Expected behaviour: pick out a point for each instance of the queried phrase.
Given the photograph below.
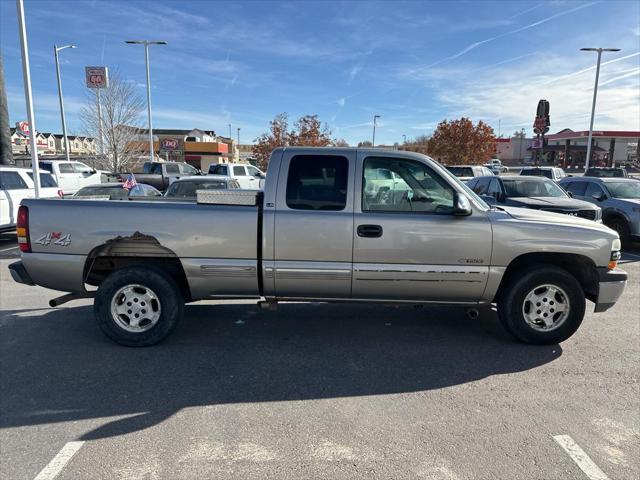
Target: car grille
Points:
(588, 214)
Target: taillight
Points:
(22, 229)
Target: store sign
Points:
(169, 144)
(97, 77)
(536, 143)
(23, 128)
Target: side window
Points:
(253, 171)
(239, 172)
(12, 181)
(45, 166)
(414, 187)
(187, 169)
(81, 168)
(317, 182)
(482, 186)
(593, 189)
(65, 167)
(494, 188)
(172, 169)
(576, 188)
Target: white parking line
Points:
(631, 254)
(580, 457)
(7, 249)
(56, 465)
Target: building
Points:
(199, 148)
(609, 147)
(52, 144)
(568, 149)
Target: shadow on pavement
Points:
(59, 367)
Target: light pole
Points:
(238, 138)
(57, 49)
(404, 139)
(373, 140)
(146, 44)
(595, 93)
(26, 73)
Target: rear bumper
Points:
(611, 285)
(19, 274)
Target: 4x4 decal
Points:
(56, 237)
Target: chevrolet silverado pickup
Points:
(320, 230)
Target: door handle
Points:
(372, 231)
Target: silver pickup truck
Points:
(332, 224)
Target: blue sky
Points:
(413, 63)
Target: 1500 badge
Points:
(57, 238)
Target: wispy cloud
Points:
(584, 70)
(475, 45)
(530, 9)
(630, 73)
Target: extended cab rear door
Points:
(407, 244)
(313, 225)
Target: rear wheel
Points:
(544, 305)
(622, 227)
(138, 306)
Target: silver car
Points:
(619, 199)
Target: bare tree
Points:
(121, 110)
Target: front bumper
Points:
(610, 287)
(20, 274)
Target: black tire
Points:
(621, 226)
(512, 301)
(169, 306)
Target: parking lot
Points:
(316, 390)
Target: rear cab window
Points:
(317, 182)
(46, 180)
(218, 170)
(239, 172)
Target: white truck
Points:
(71, 176)
(247, 176)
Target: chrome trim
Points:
(229, 271)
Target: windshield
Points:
(187, 189)
(461, 171)
(624, 189)
(532, 188)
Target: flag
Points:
(130, 182)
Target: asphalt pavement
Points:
(315, 390)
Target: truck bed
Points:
(217, 245)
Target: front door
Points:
(407, 244)
(313, 237)
(67, 178)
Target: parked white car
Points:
(247, 176)
(495, 165)
(71, 176)
(16, 184)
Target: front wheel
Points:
(622, 227)
(544, 305)
(138, 306)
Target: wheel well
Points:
(581, 267)
(614, 216)
(138, 250)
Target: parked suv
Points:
(16, 184)
(619, 199)
(538, 193)
(554, 173)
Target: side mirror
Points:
(570, 194)
(461, 205)
(500, 197)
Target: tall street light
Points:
(146, 44)
(57, 49)
(373, 140)
(595, 93)
(28, 96)
(404, 138)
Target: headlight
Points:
(616, 245)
